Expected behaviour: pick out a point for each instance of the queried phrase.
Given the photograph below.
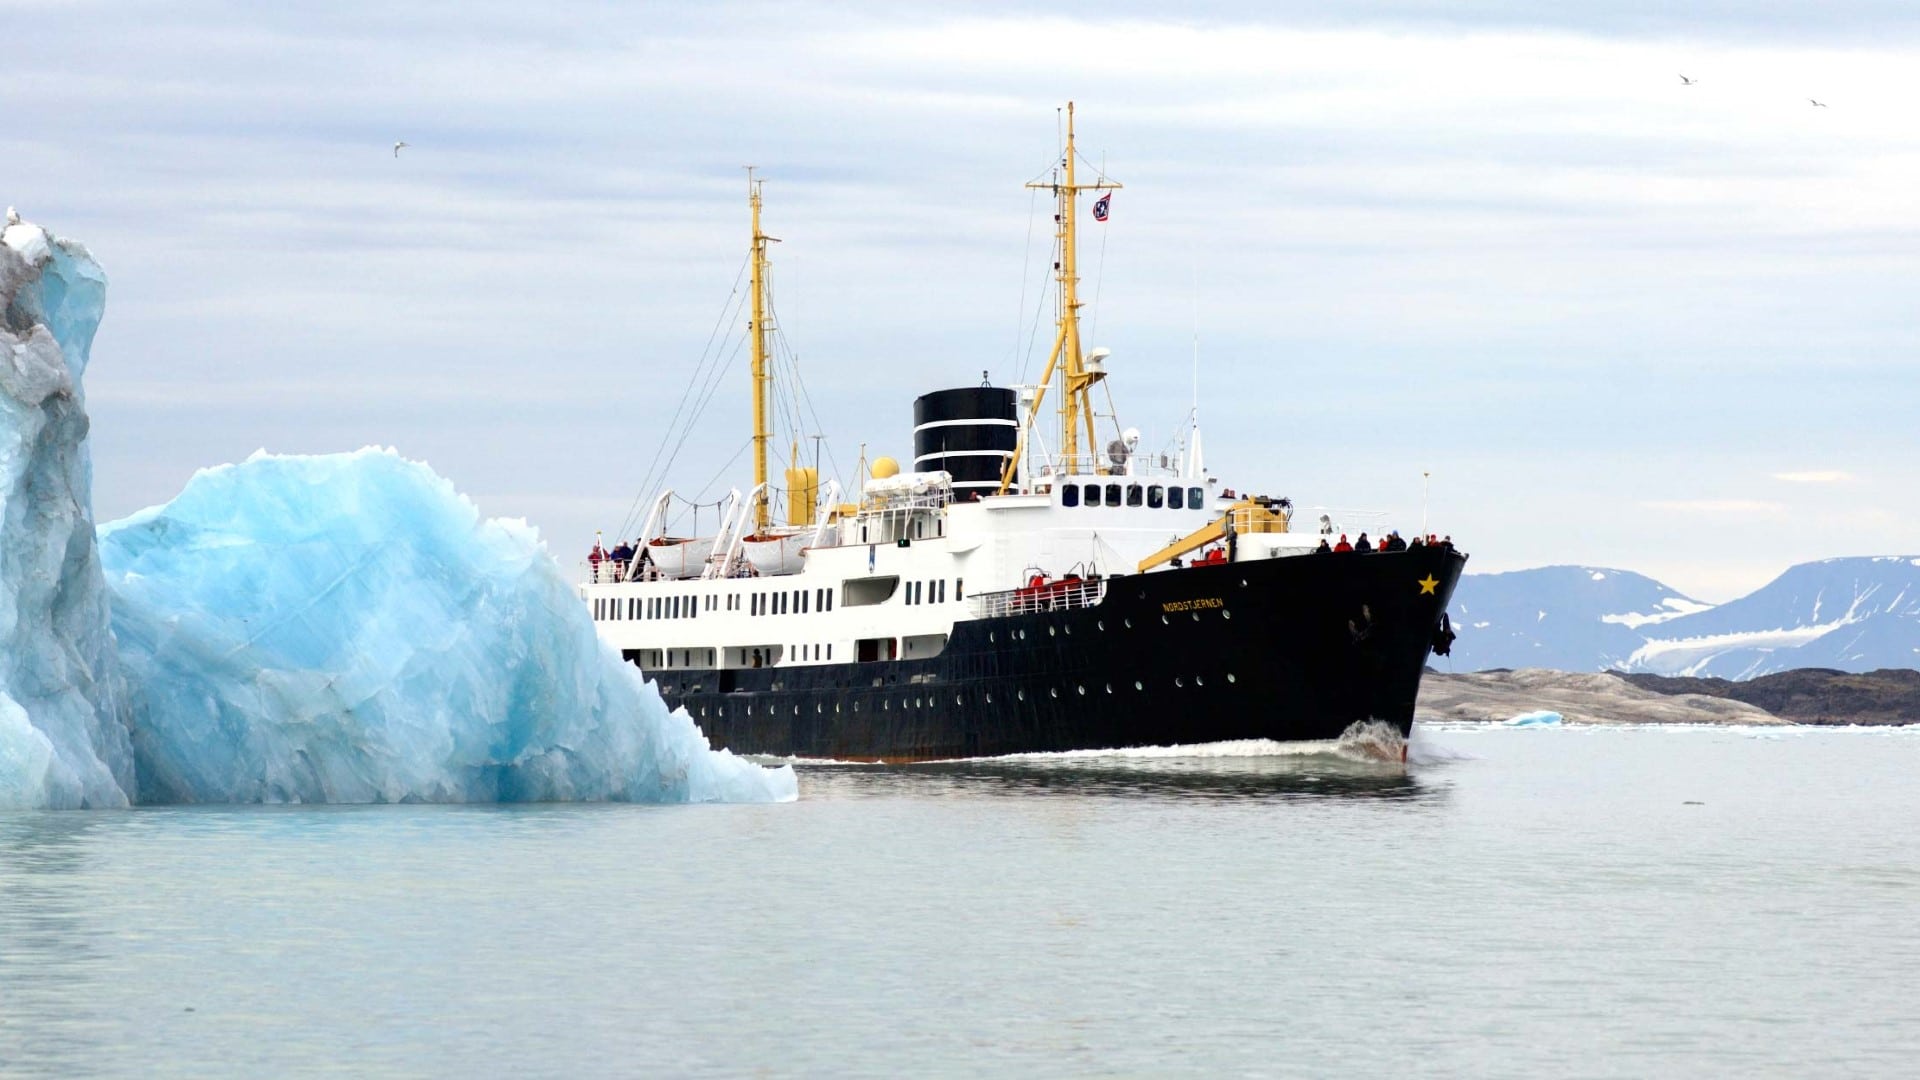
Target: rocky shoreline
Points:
(1579, 698)
(1805, 696)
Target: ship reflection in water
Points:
(1187, 772)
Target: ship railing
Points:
(611, 572)
(1065, 595)
(1338, 520)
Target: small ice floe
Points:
(1542, 718)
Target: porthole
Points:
(749, 710)
(1069, 631)
(989, 699)
(1109, 688)
(1196, 616)
(1230, 677)
(836, 708)
(956, 699)
(1243, 583)
(1225, 614)
(1053, 691)
(796, 710)
(1129, 623)
(703, 710)
(1198, 681)
(1082, 689)
(1100, 624)
(819, 709)
(1143, 594)
(1052, 632)
(1177, 682)
(886, 706)
(1164, 621)
(1020, 695)
(1138, 685)
(990, 637)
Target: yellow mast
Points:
(762, 378)
(1076, 399)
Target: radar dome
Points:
(884, 467)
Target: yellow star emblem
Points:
(1427, 585)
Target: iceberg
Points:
(63, 739)
(347, 628)
(1542, 718)
(338, 628)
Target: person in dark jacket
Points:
(1362, 544)
(1323, 549)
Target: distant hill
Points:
(1570, 618)
(1811, 696)
(1849, 615)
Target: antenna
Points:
(1426, 482)
(1195, 259)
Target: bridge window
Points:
(1113, 494)
(1196, 499)
(1176, 498)
(1070, 495)
(1156, 497)
(1133, 495)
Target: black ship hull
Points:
(1288, 649)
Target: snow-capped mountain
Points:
(1856, 614)
(1571, 618)
(1853, 614)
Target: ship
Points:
(1019, 587)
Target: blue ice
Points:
(62, 739)
(1542, 718)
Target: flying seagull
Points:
(1818, 104)
(1687, 82)
(397, 147)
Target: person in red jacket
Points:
(1343, 545)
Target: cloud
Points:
(1817, 476)
(1718, 507)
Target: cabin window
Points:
(861, 592)
(1196, 499)
(958, 592)
(1176, 498)
(941, 588)
(1070, 495)
(1156, 497)
(1113, 494)
(1134, 495)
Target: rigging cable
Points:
(647, 481)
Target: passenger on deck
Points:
(1362, 544)
(1323, 549)
(756, 658)
(1416, 543)
(1394, 543)
(596, 556)
(1343, 545)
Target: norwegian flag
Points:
(1100, 206)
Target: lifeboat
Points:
(679, 557)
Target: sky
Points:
(1620, 320)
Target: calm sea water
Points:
(1514, 903)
